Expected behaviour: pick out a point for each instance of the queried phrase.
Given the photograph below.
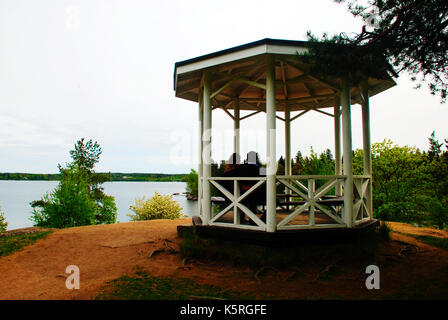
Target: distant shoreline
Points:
(115, 177)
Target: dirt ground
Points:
(106, 252)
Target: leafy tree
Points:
(69, 205)
(297, 166)
(412, 35)
(86, 155)
(435, 148)
(192, 182)
(79, 198)
(438, 213)
(400, 182)
(281, 160)
(106, 210)
(407, 186)
(298, 156)
(329, 155)
(281, 164)
(438, 171)
(335, 57)
(314, 164)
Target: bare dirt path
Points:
(102, 253)
(106, 252)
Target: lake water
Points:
(15, 197)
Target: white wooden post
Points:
(288, 169)
(206, 153)
(348, 158)
(270, 145)
(236, 127)
(312, 209)
(367, 151)
(236, 149)
(200, 147)
(236, 194)
(337, 143)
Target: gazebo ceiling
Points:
(239, 73)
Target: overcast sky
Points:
(104, 70)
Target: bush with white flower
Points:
(157, 207)
(3, 223)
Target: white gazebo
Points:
(269, 76)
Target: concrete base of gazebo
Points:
(281, 238)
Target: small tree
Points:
(69, 205)
(435, 147)
(157, 207)
(281, 165)
(86, 155)
(192, 182)
(3, 223)
(79, 198)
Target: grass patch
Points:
(11, 244)
(328, 272)
(423, 290)
(144, 286)
(433, 241)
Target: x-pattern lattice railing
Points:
(311, 198)
(361, 205)
(236, 200)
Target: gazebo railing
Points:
(312, 189)
(362, 206)
(235, 202)
(319, 197)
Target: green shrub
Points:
(157, 207)
(3, 223)
(433, 241)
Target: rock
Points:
(191, 197)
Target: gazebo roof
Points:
(239, 73)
